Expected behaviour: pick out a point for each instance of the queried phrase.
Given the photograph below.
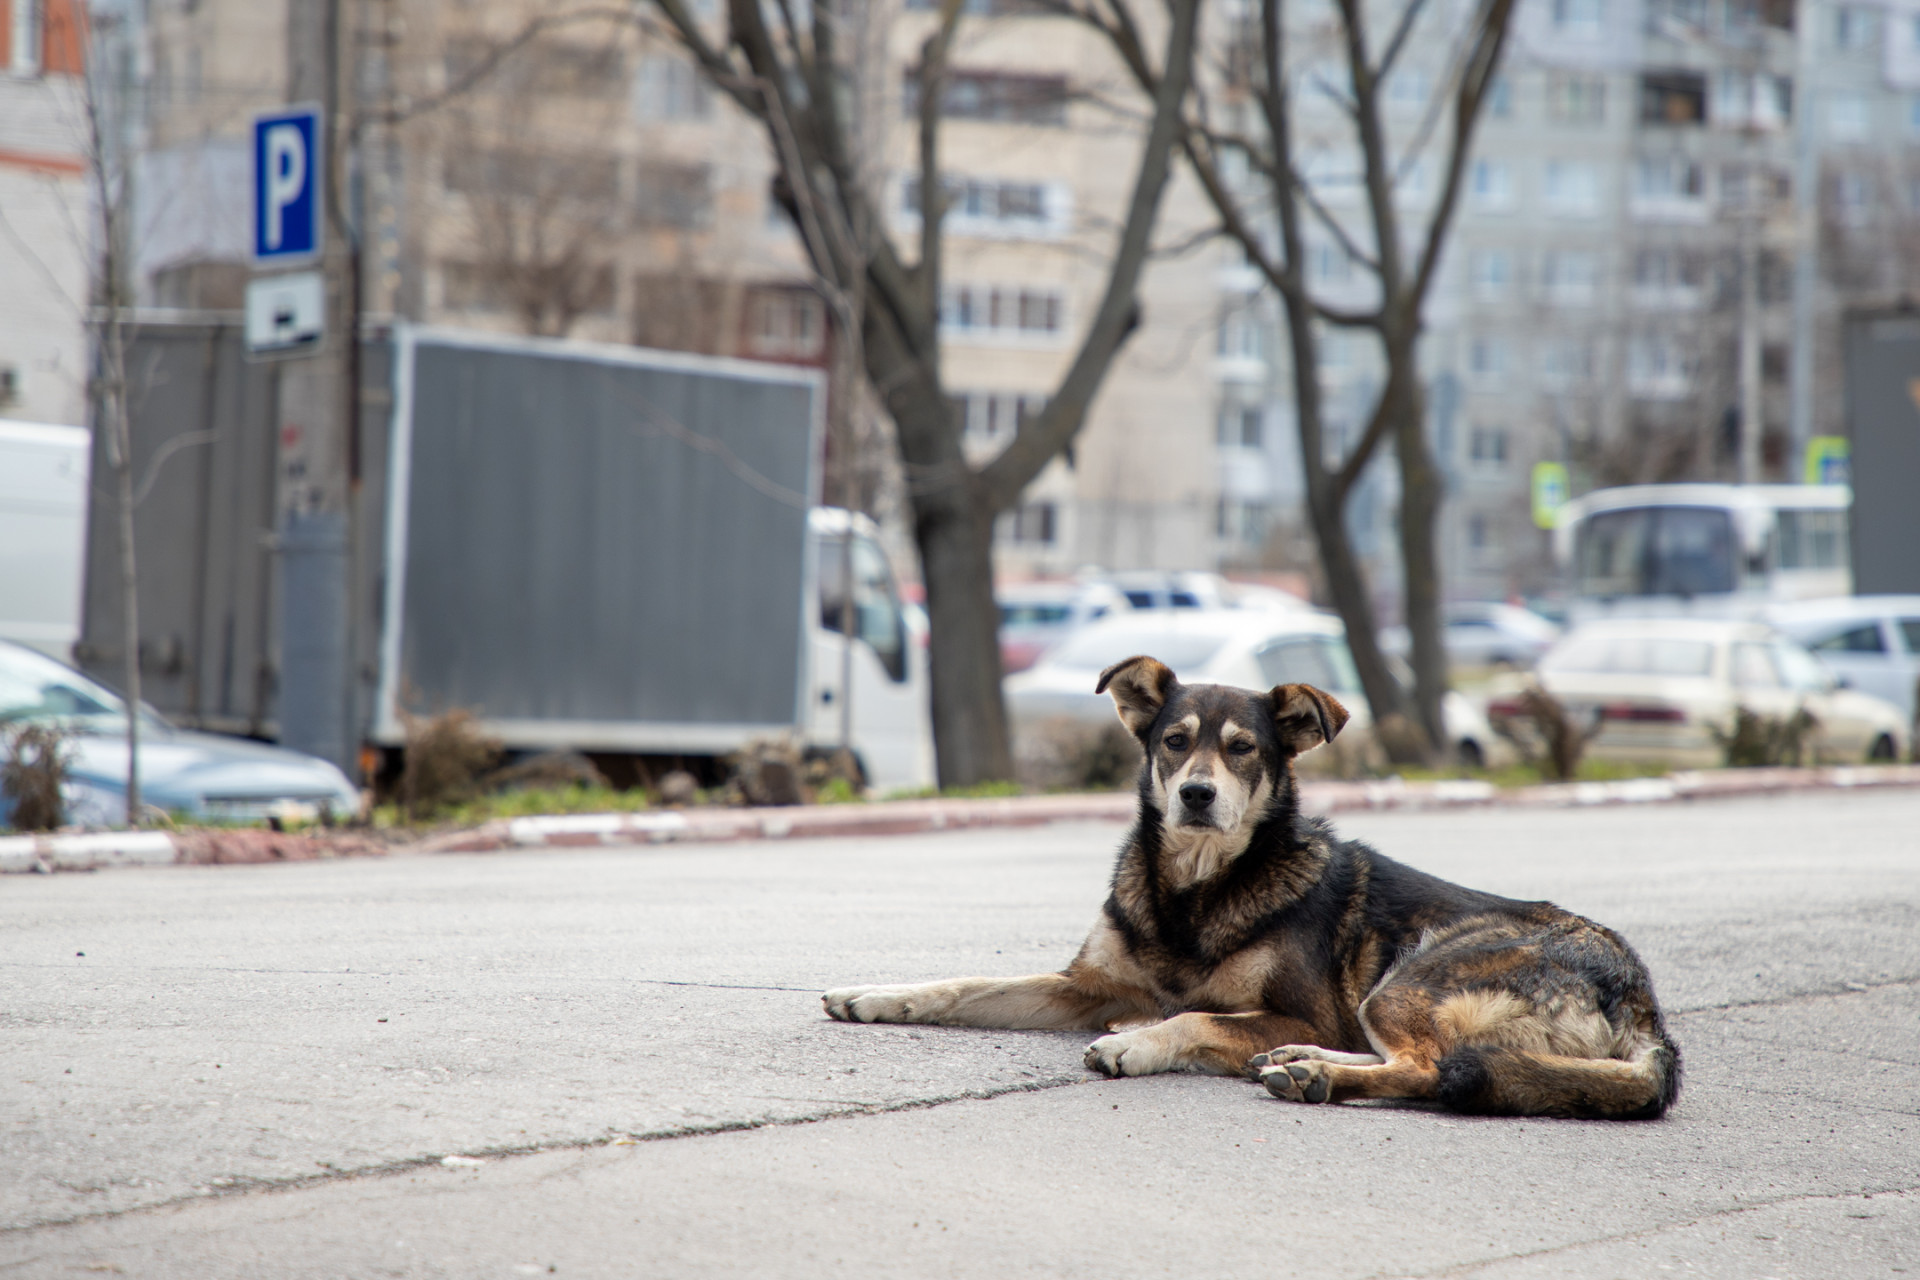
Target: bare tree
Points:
(107, 173)
(1278, 197)
(792, 69)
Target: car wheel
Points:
(1883, 748)
(1470, 755)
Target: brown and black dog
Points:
(1242, 937)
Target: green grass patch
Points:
(978, 791)
(1525, 775)
(525, 804)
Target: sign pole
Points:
(297, 195)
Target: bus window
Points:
(1692, 552)
(1811, 539)
(1613, 547)
(1657, 551)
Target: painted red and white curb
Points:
(88, 851)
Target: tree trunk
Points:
(1420, 495)
(969, 716)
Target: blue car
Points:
(196, 775)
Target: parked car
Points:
(1035, 616)
(1484, 634)
(1871, 642)
(1253, 649)
(200, 775)
(1662, 689)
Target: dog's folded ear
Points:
(1306, 716)
(1140, 687)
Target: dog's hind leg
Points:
(1309, 1052)
(1399, 1021)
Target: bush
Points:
(1547, 737)
(34, 774)
(1065, 754)
(446, 758)
(1757, 741)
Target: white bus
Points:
(1717, 550)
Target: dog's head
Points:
(1216, 753)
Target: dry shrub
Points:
(773, 771)
(547, 771)
(1065, 754)
(447, 756)
(1546, 735)
(33, 775)
(1756, 741)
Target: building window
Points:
(1751, 100)
(993, 95)
(1328, 263)
(1572, 187)
(995, 417)
(670, 88)
(1033, 523)
(1499, 103)
(1673, 97)
(1237, 520)
(985, 206)
(1410, 87)
(1658, 368)
(1847, 115)
(984, 8)
(1241, 425)
(1855, 27)
(1491, 271)
(785, 324)
(1491, 184)
(1476, 533)
(1241, 336)
(1667, 178)
(1487, 446)
(673, 195)
(1576, 99)
(1566, 361)
(1487, 358)
(1002, 310)
(1582, 19)
(1852, 197)
(1668, 275)
(1570, 277)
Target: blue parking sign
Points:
(289, 171)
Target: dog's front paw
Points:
(867, 1004)
(1130, 1053)
(1298, 1081)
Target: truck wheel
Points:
(1882, 749)
(1470, 755)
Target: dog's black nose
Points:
(1196, 795)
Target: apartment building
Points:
(1636, 159)
(46, 232)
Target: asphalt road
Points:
(257, 1071)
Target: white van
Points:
(43, 534)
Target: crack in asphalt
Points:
(1464, 1268)
(1795, 997)
(411, 1164)
(840, 1111)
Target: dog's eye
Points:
(1240, 747)
(1174, 742)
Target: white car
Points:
(1485, 634)
(1871, 642)
(1035, 616)
(1251, 649)
(1663, 688)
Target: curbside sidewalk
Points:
(89, 851)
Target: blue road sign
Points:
(289, 169)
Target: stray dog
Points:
(1241, 937)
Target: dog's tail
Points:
(1484, 1080)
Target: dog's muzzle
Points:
(1197, 799)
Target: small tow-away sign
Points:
(1551, 489)
(286, 314)
(289, 188)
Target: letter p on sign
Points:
(288, 164)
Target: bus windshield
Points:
(1656, 551)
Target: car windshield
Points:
(1800, 669)
(1025, 615)
(1322, 661)
(1100, 647)
(34, 687)
(1631, 655)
